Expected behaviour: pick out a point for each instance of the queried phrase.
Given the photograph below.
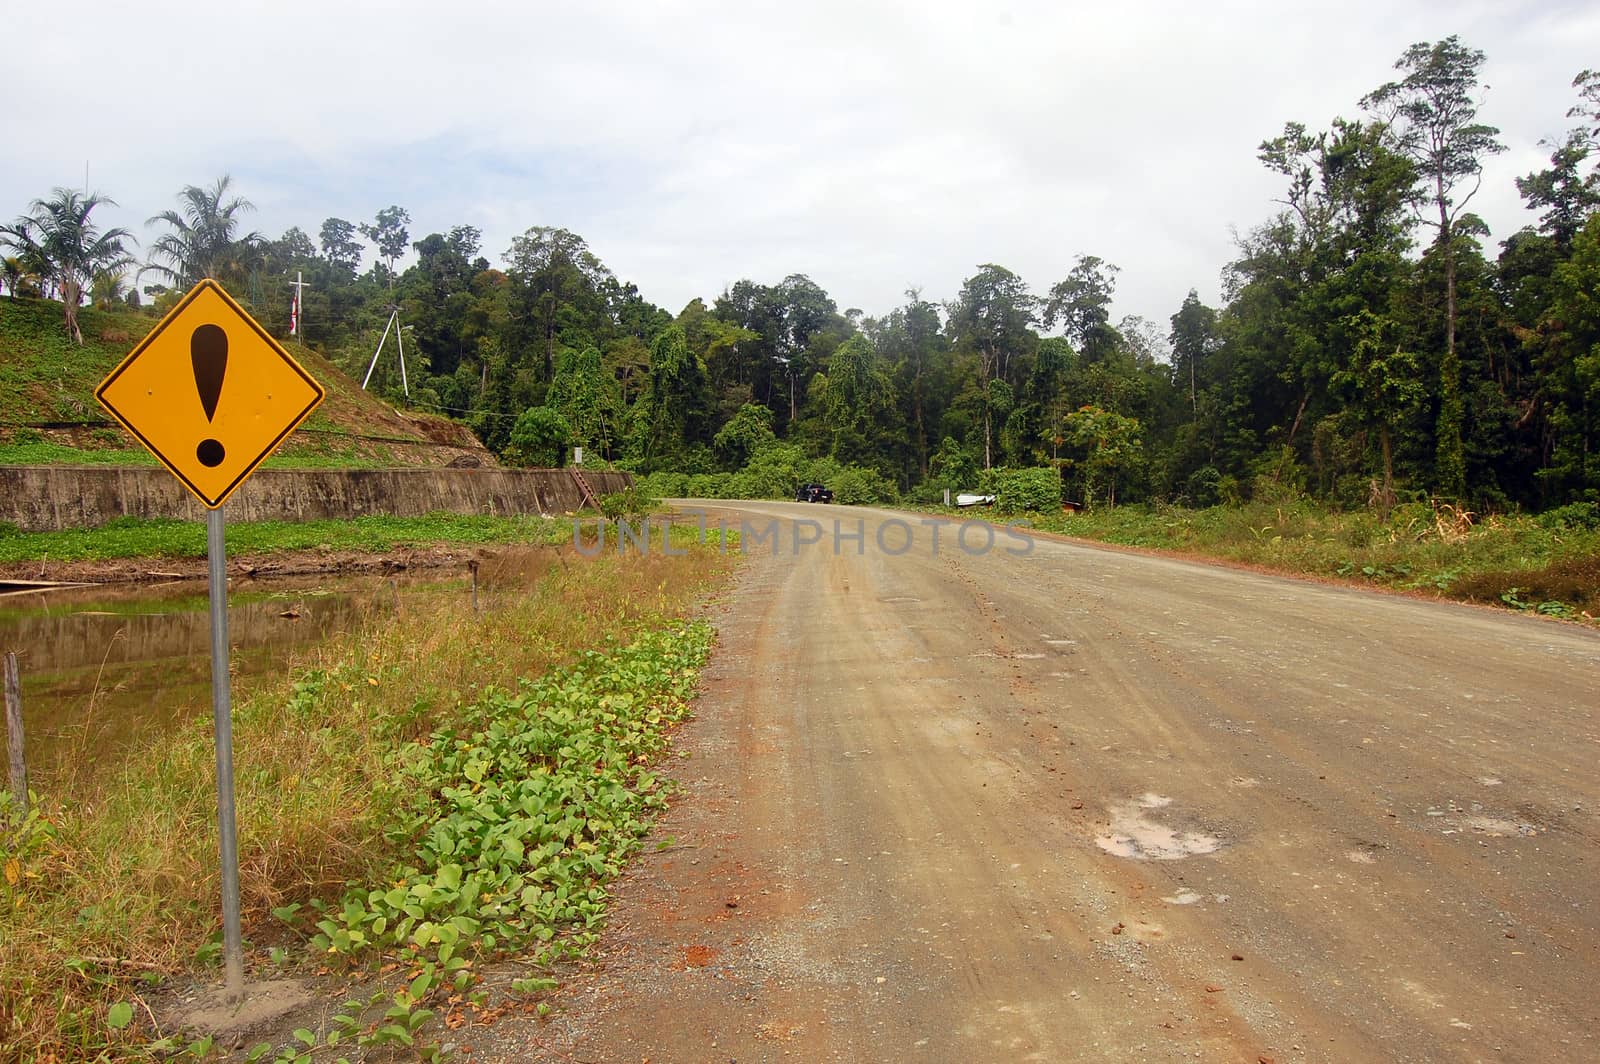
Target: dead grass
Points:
(130, 876)
(1573, 581)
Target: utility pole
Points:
(394, 323)
(294, 308)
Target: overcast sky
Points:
(872, 145)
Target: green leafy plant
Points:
(632, 504)
(514, 822)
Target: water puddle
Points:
(104, 669)
(1137, 835)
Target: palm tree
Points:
(11, 272)
(65, 248)
(109, 288)
(204, 240)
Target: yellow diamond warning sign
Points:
(209, 393)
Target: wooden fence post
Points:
(19, 768)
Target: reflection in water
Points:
(105, 669)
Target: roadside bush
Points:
(630, 504)
(709, 486)
(1018, 490)
(1204, 487)
(772, 473)
(1577, 516)
(664, 485)
(539, 438)
(855, 485)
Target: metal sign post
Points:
(222, 714)
(211, 394)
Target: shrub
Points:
(856, 485)
(1204, 487)
(664, 485)
(709, 486)
(539, 438)
(629, 504)
(772, 473)
(1019, 490)
(1577, 516)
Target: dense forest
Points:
(1369, 345)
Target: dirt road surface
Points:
(1082, 805)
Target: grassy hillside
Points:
(48, 413)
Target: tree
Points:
(1338, 250)
(676, 399)
(1082, 304)
(748, 431)
(807, 312)
(1588, 106)
(1570, 378)
(1383, 385)
(14, 271)
(109, 288)
(60, 242)
(1565, 194)
(856, 398)
(1194, 340)
(553, 269)
(952, 465)
(340, 246)
(389, 235)
(1110, 443)
(911, 341)
(1431, 114)
(578, 392)
(539, 438)
(992, 316)
(204, 238)
(295, 246)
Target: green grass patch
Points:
(1420, 546)
(130, 537)
(48, 453)
(313, 452)
(44, 376)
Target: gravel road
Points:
(1077, 804)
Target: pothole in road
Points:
(1475, 820)
(1137, 835)
(1498, 827)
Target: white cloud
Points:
(871, 145)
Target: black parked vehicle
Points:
(813, 493)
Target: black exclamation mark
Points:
(208, 353)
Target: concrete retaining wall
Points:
(45, 498)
